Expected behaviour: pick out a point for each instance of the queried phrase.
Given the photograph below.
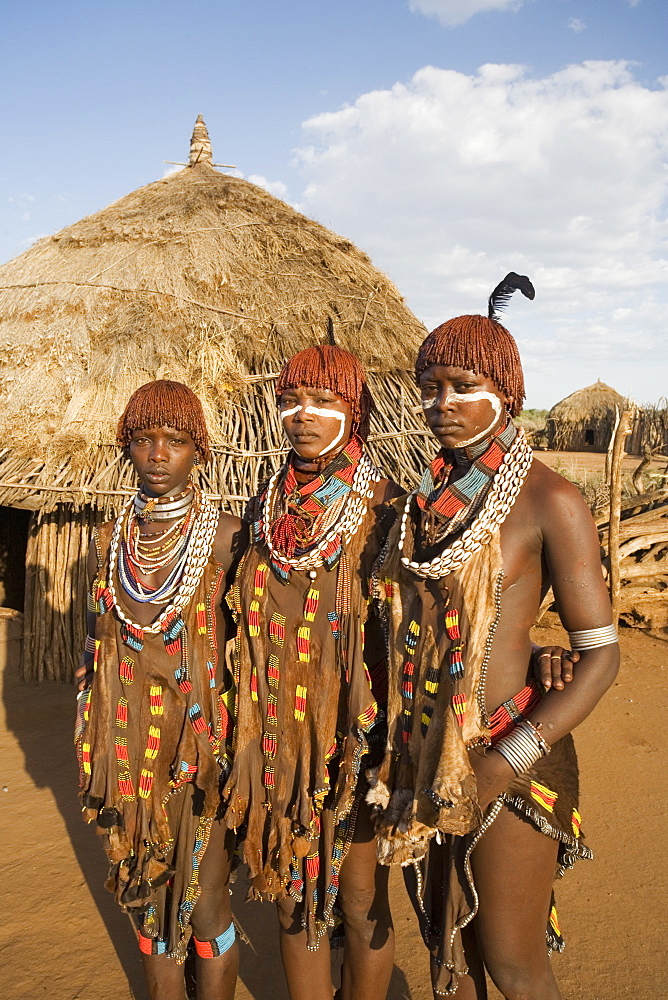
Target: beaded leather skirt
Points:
(441, 885)
(152, 739)
(306, 718)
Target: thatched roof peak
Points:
(200, 144)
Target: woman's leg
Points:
(308, 973)
(473, 986)
(217, 952)
(164, 978)
(513, 868)
(369, 933)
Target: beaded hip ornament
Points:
(506, 485)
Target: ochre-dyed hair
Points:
(165, 404)
(330, 367)
(480, 345)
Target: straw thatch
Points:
(202, 277)
(585, 420)
(650, 430)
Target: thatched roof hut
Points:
(584, 421)
(201, 277)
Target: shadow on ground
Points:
(41, 718)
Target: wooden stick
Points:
(134, 291)
(544, 605)
(29, 600)
(641, 570)
(611, 444)
(623, 429)
(84, 491)
(642, 542)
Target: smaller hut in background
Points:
(585, 420)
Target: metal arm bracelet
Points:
(591, 638)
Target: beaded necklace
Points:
(162, 508)
(446, 506)
(150, 546)
(140, 554)
(505, 487)
(305, 527)
(194, 549)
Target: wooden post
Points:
(636, 478)
(611, 443)
(623, 429)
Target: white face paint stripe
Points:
(321, 411)
(289, 413)
(470, 397)
(473, 397)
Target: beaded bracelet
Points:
(538, 736)
(592, 638)
(522, 747)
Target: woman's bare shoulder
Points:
(558, 507)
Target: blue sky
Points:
(454, 140)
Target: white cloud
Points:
(454, 12)
(576, 24)
(277, 188)
(451, 180)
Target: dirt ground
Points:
(61, 936)
(588, 465)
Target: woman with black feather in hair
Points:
(478, 793)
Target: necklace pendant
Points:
(103, 599)
(145, 513)
(132, 636)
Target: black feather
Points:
(331, 339)
(501, 295)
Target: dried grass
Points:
(200, 277)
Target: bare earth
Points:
(61, 936)
(588, 465)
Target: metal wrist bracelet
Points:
(522, 747)
(592, 638)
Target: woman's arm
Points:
(84, 675)
(572, 555)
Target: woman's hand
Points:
(84, 676)
(553, 665)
